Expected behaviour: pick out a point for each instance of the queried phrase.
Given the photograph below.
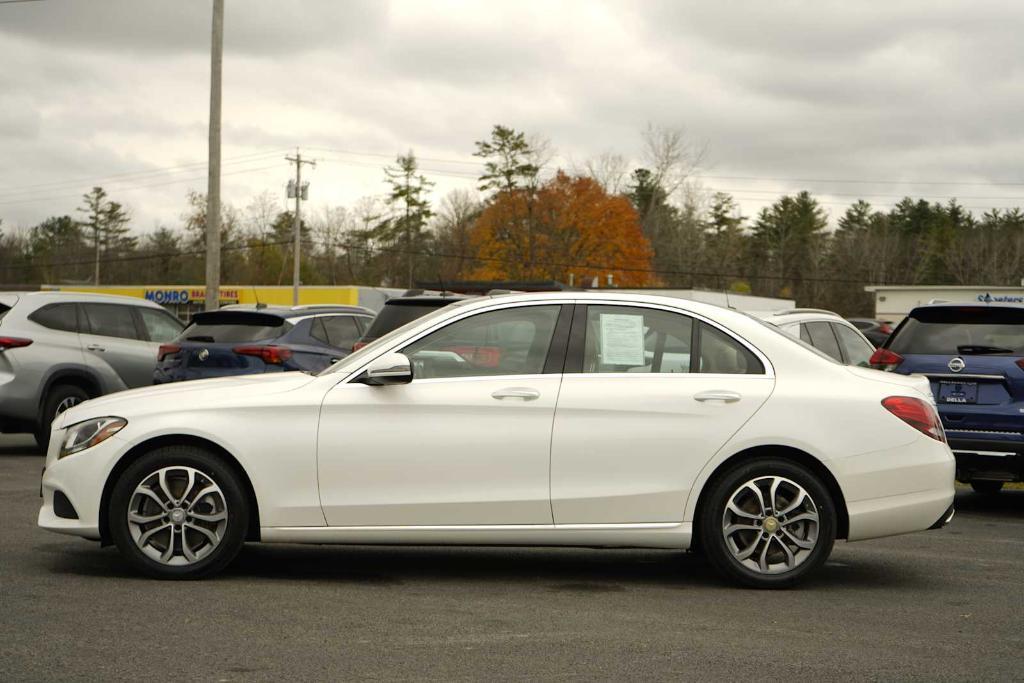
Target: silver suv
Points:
(58, 349)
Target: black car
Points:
(877, 331)
(402, 310)
(244, 341)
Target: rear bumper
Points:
(994, 460)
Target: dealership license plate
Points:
(958, 392)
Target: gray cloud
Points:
(817, 90)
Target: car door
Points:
(648, 396)
(467, 442)
(115, 347)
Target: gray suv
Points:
(58, 349)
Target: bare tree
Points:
(610, 170)
(672, 156)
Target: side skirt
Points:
(652, 535)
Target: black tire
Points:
(54, 403)
(987, 487)
(711, 530)
(236, 507)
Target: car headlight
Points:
(89, 433)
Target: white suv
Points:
(826, 331)
(58, 349)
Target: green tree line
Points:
(697, 238)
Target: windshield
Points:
(354, 359)
(961, 330)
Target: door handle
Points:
(525, 393)
(95, 347)
(718, 395)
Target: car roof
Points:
(970, 304)
(799, 315)
(304, 311)
(50, 296)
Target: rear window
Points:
(231, 327)
(961, 330)
(394, 316)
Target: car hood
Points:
(918, 383)
(194, 394)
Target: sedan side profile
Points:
(560, 419)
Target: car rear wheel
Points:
(59, 399)
(987, 487)
(768, 523)
(178, 513)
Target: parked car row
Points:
(59, 349)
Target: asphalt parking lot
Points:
(939, 605)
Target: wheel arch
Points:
(79, 377)
(150, 445)
(791, 454)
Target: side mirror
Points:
(391, 368)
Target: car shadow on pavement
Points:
(1006, 503)
(570, 570)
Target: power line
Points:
(131, 175)
(176, 181)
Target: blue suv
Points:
(974, 356)
(245, 341)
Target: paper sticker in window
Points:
(622, 339)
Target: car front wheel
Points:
(178, 513)
(768, 523)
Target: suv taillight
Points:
(1020, 363)
(13, 343)
(166, 350)
(917, 413)
(271, 355)
(884, 359)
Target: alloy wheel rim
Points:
(67, 403)
(177, 515)
(770, 525)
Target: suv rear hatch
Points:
(973, 356)
(208, 347)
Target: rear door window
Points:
(63, 317)
(823, 338)
(858, 351)
(160, 326)
(961, 330)
(636, 340)
(342, 331)
(111, 320)
(721, 354)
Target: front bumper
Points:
(80, 479)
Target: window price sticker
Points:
(622, 339)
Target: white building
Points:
(893, 302)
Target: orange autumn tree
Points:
(569, 225)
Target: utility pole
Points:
(213, 182)
(300, 192)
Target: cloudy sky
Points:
(845, 99)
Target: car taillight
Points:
(885, 328)
(358, 345)
(166, 350)
(271, 355)
(1020, 363)
(13, 343)
(884, 359)
(917, 413)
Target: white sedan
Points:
(562, 419)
